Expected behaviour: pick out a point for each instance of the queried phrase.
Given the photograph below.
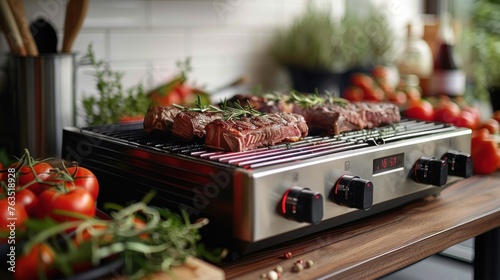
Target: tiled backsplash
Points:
(225, 39)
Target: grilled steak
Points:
(332, 118)
(160, 118)
(252, 132)
(190, 125)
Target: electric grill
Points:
(259, 198)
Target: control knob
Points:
(353, 192)
(429, 170)
(459, 164)
(302, 205)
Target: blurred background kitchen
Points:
(234, 46)
(222, 47)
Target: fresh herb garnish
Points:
(306, 100)
(229, 113)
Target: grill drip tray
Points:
(262, 197)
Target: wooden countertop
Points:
(384, 243)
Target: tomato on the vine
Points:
(39, 261)
(9, 209)
(84, 178)
(41, 170)
(27, 198)
(72, 199)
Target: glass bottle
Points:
(448, 78)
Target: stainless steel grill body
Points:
(242, 192)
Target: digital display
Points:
(388, 163)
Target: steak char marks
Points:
(253, 132)
(330, 118)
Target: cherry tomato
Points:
(496, 116)
(353, 94)
(84, 178)
(446, 111)
(42, 171)
(37, 262)
(412, 93)
(399, 97)
(27, 198)
(74, 199)
(183, 90)
(9, 209)
(362, 81)
(374, 94)
(465, 119)
(420, 109)
(380, 72)
(492, 125)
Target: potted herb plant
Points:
(319, 52)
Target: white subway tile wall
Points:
(225, 39)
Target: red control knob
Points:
(353, 192)
(459, 164)
(429, 170)
(302, 205)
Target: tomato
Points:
(77, 200)
(27, 198)
(353, 93)
(496, 116)
(465, 119)
(446, 111)
(84, 178)
(362, 81)
(380, 72)
(42, 171)
(37, 262)
(412, 93)
(183, 90)
(420, 109)
(9, 209)
(492, 125)
(374, 94)
(485, 152)
(399, 97)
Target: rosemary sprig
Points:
(305, 100)
(229, 113)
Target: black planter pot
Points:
(494, 97)
(312, 80)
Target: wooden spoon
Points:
(17, 7)
(11, 30)
(76, 10)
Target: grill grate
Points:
(309, 147)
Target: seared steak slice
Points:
(160, 118)
(252, 132)
(190, 124)
(377, 114)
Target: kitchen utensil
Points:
(45, 36)
(17, 7)
(76, 10)
(11, 30)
